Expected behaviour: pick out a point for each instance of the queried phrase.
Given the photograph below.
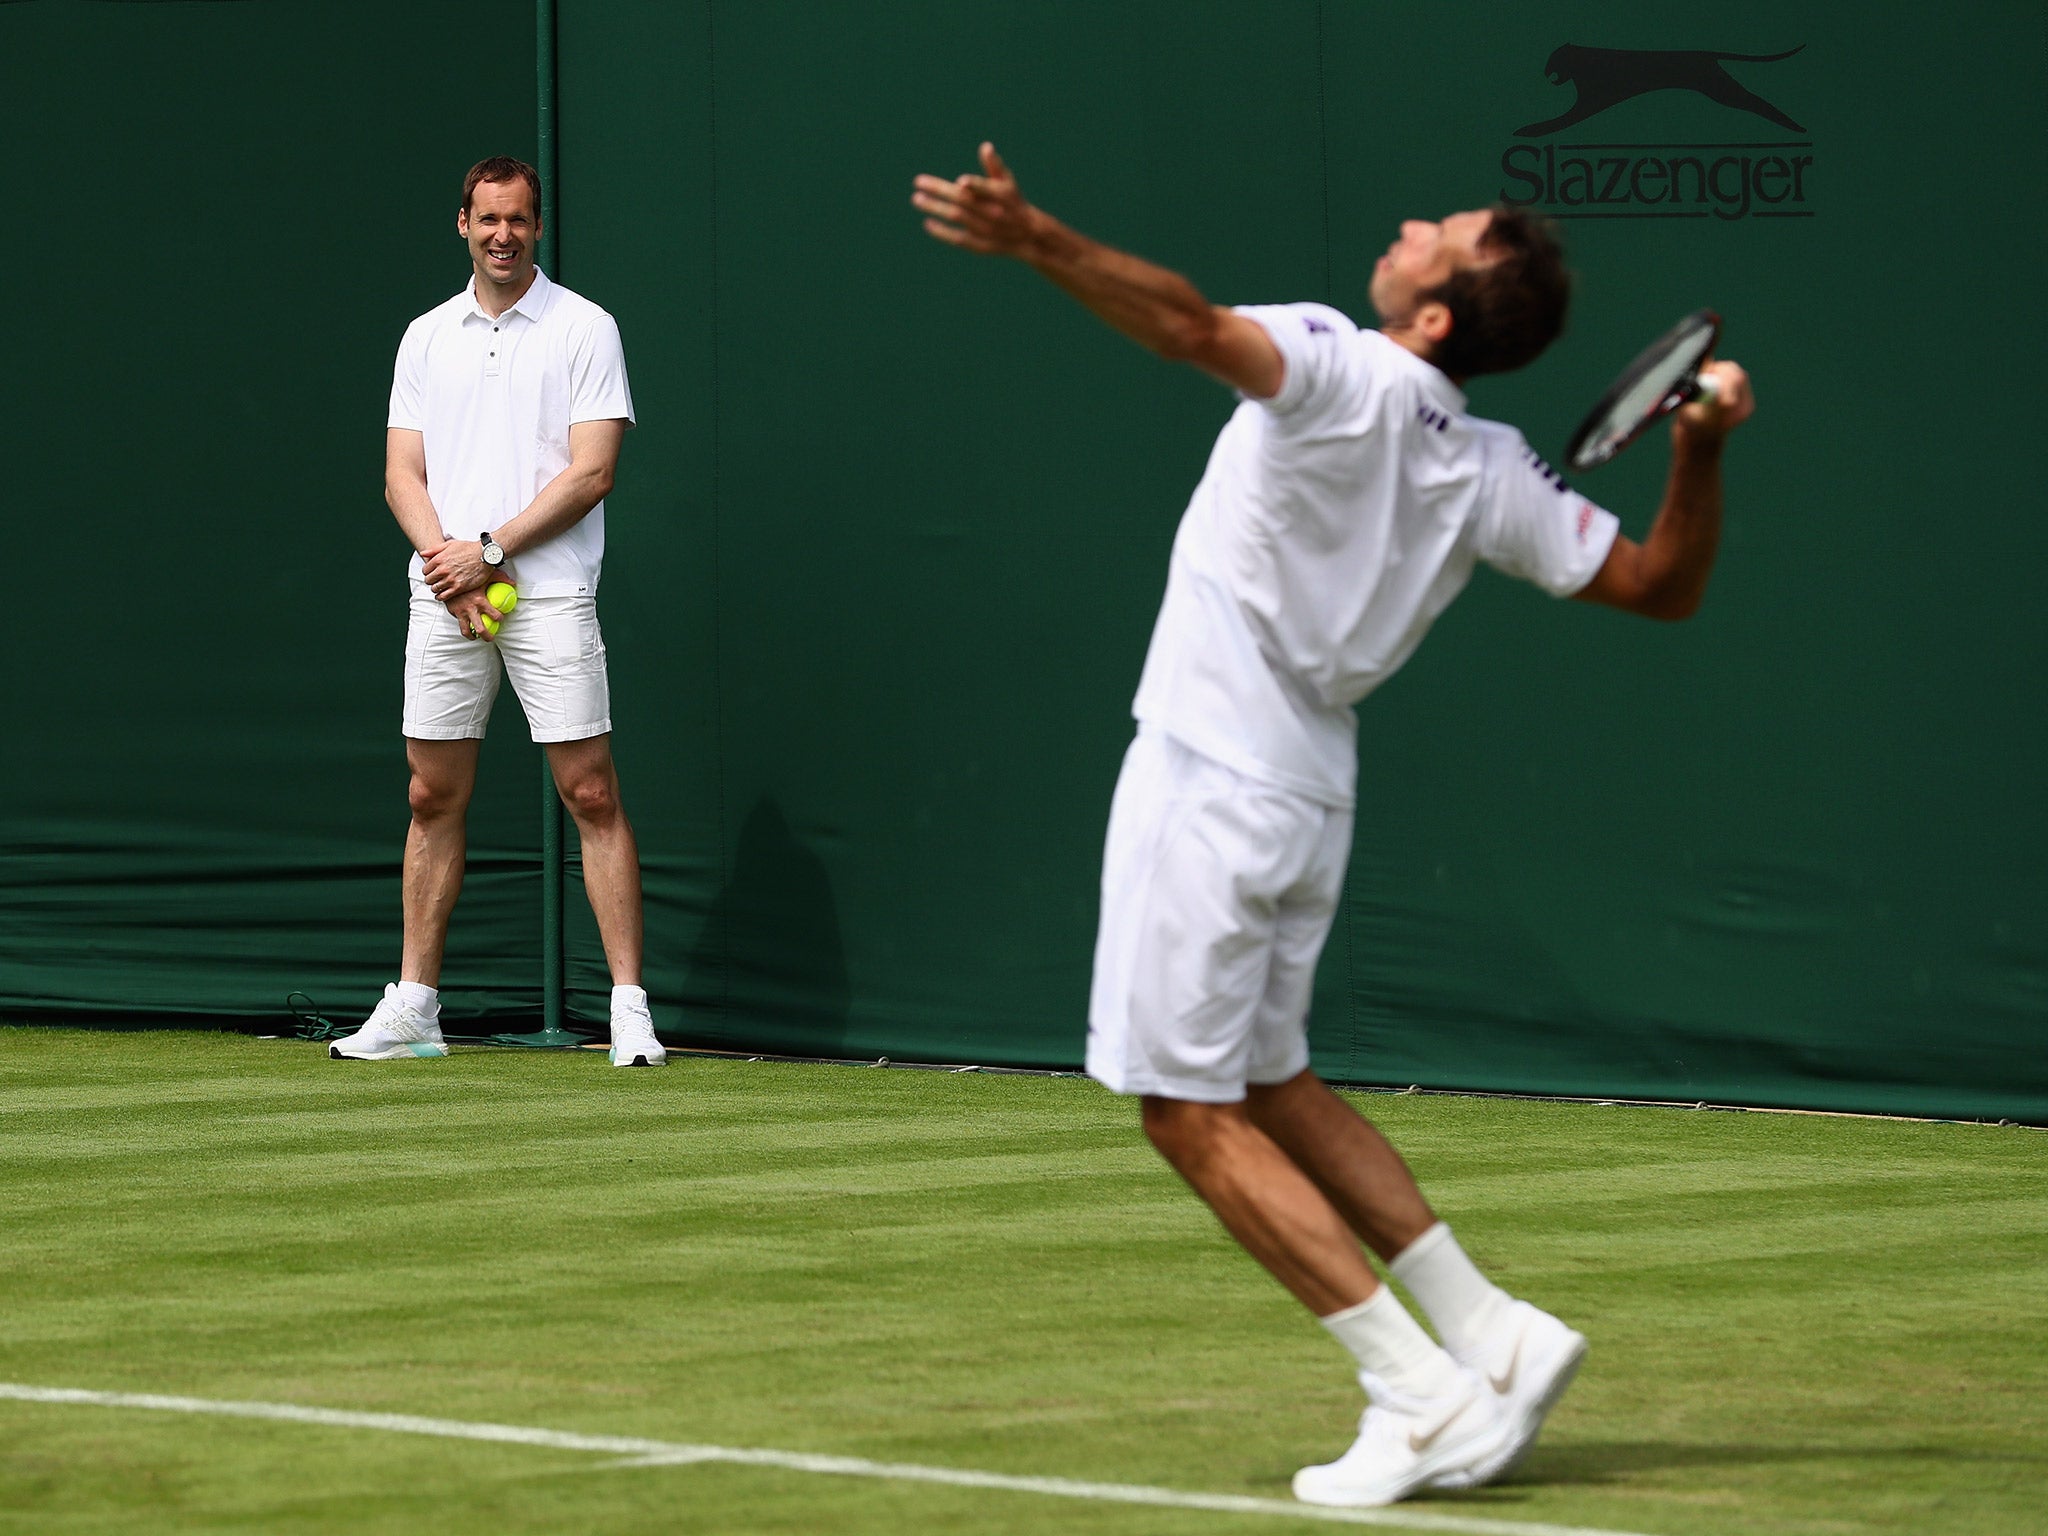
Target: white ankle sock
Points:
(1448, 1286)
(423, 999)
(628, 997)
(1391, 1345)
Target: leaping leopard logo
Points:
(1606, 77)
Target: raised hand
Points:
(1720, 413)
(983, 213)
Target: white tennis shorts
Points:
(1217, 894)
(550, 645)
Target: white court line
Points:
(658, 1453)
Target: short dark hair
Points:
(1506, 311)
(501, 168)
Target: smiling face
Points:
(1422, 259)
(502, 227)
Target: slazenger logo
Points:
(1770, 179)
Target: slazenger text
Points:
(1676, 181)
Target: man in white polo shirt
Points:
(1344, 506)
(508, 406)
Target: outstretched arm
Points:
(1665, 576)
(1158, 309)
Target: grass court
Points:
(1799, 1324)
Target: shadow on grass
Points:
(1594, 1462)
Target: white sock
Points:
(423, 999)
(1391, 1345)
(628, 997)
(1462, 1302)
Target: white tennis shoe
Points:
(1526, 1361)
(1406, 1444)
(633, 1042)
(393, 1029)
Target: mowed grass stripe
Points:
(637, 1453)
(1799, 1325)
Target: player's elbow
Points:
(1669, 607)
(1636, 582)
(402, 480)
(1188, 336)
(1622, 585)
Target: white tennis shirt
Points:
(1334, 523)
(494, 400)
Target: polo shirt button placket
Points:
(491, 359)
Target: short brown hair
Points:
(501, 168)
(1504, 313)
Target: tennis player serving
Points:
(1343, 507)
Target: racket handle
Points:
(1705, 389)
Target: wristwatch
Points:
(494, 555)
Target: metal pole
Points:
(554, 967)
(554, 979)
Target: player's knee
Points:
(434, 799)
(1183, 1132)
(593, 799)
(1274, 1104)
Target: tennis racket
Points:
(1658, 382)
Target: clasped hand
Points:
(455, 566)
(457, 575)
(469, 609)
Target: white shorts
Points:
(550, 645)
(1217, 894)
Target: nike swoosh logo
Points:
(1505, 1381)
(1420, 1443)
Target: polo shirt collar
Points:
(1437, 384)
(1434, 382)
(532, 304)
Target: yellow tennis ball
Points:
(502, 596)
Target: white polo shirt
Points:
(1334, 523)
(494, 399)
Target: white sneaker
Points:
(392, 1029)
(1405, 1444)
(633, 1042)
(1526, 1362)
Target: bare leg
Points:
(589, 785)
(1354, 1166)
(443, 775)
(1263, 1200)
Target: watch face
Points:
(492, 554)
